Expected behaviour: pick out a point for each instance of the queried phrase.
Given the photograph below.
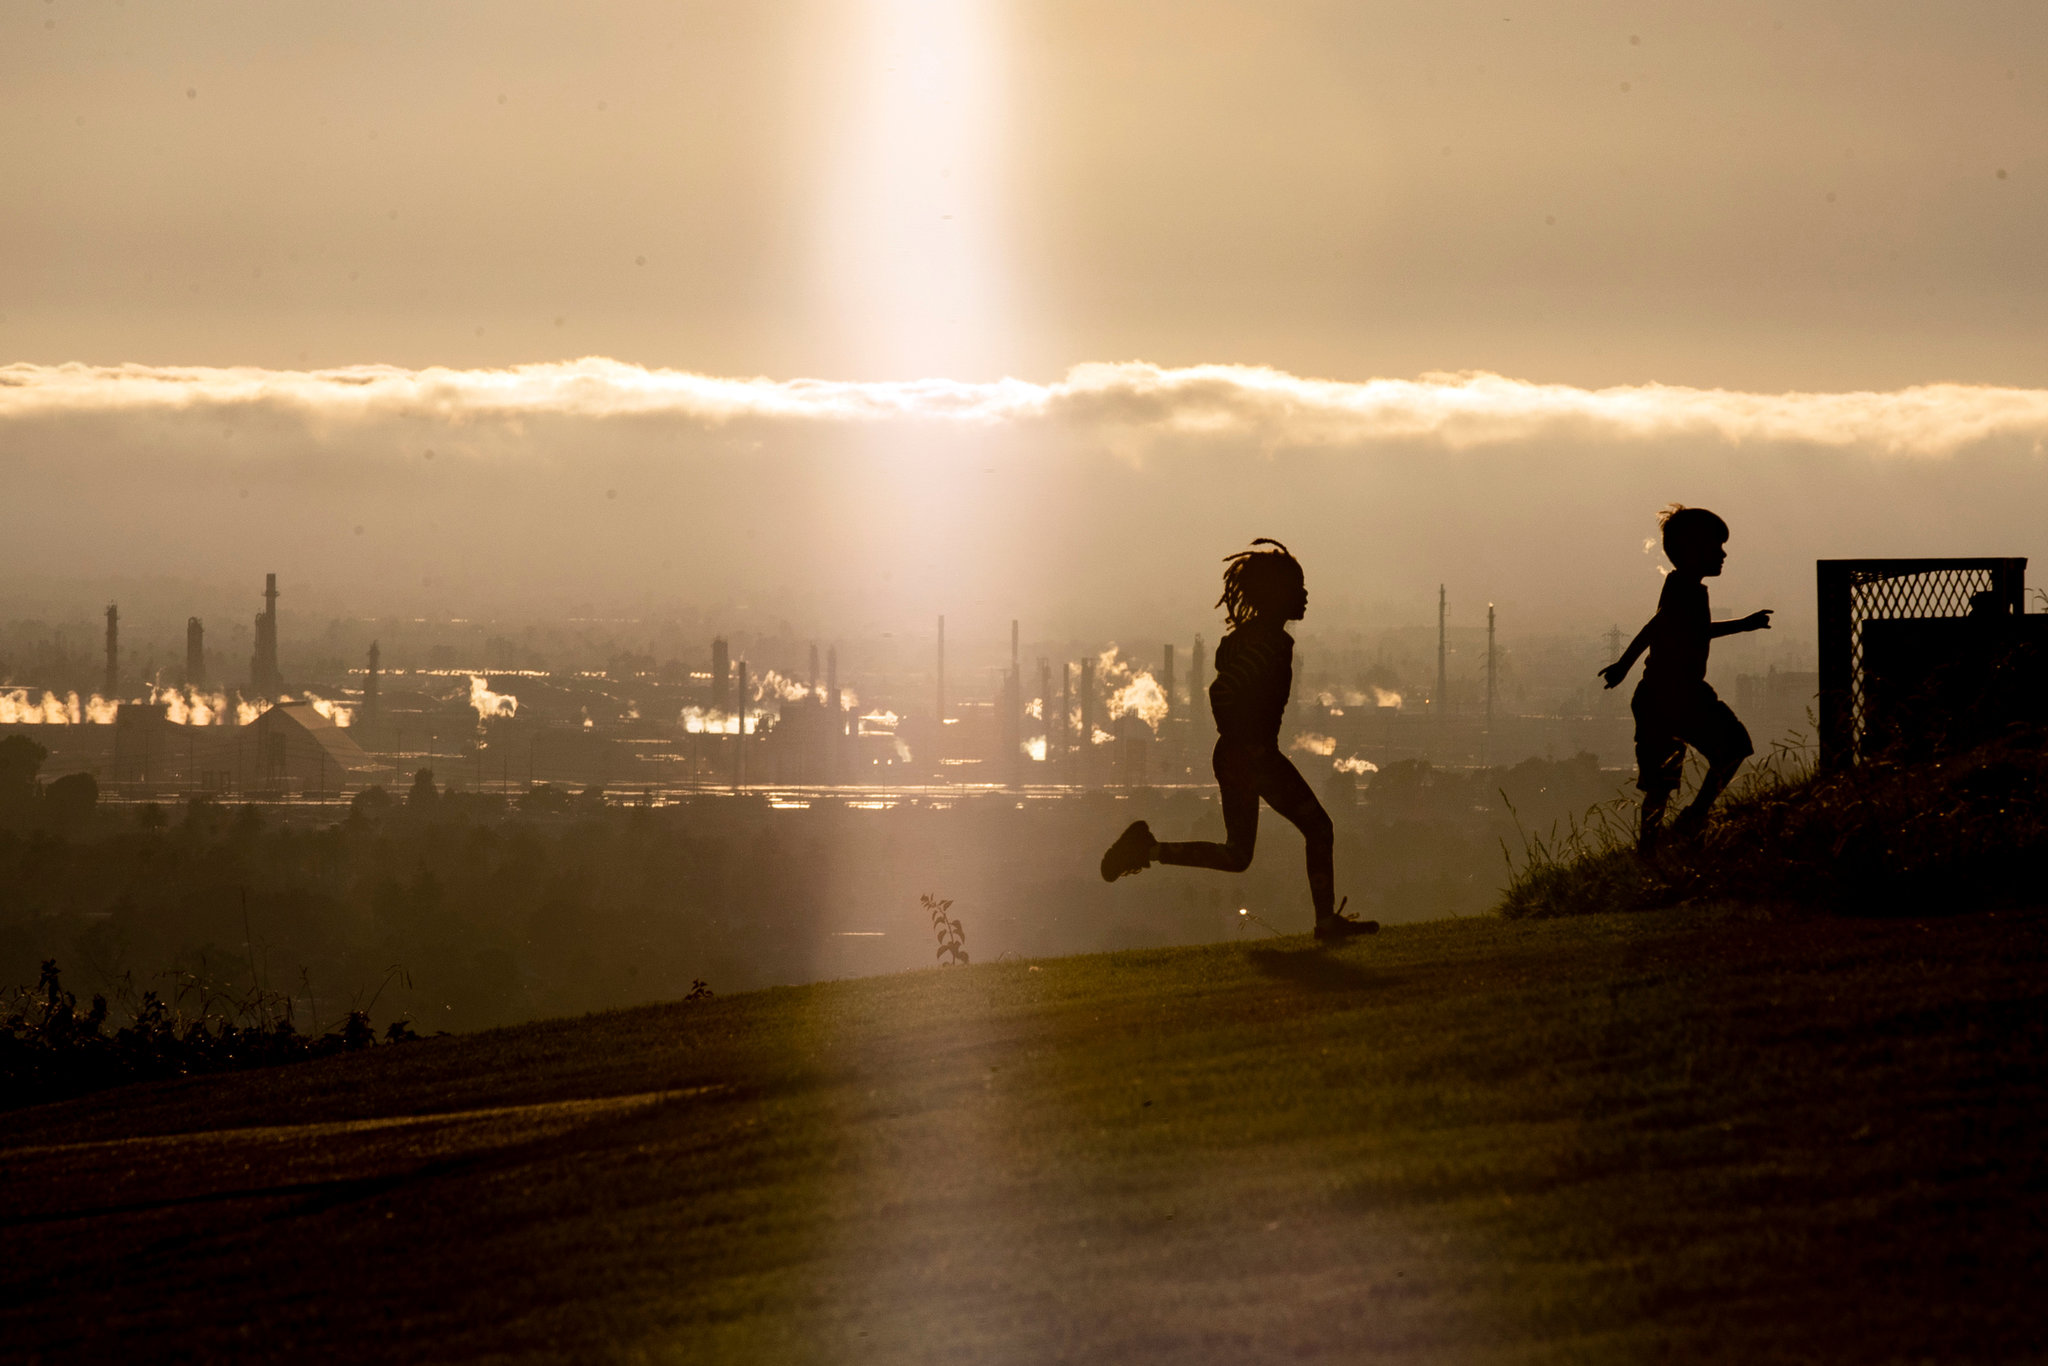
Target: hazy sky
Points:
(1741, 203)
(1765, 196)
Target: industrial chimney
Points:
(1084, 743)
(113, 683)
(195, 653)
(721, 675)
(264, 678)
(370, 685)
(835, 712)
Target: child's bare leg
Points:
(1694, 817)
(1240, 798)
(1287, 792)
(1652, 821)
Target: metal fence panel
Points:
(1852, 592)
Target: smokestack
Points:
(1198, 694)
(812, 681)
(1066, 714)
(113, 684)
(1012, 729)
(940, 752)
(370, 685)
(1490, 659)
(835, 729)
(264, 678)
(1166, 681)
(195, 653)
(1440, 703)
(1085, 741)
(1045, 705)
(739, 748)
(721, 675)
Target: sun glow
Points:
(909, 236)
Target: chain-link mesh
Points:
(1875, 595)
(1853, 592)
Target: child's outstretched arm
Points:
(1755, 621)
(1618, 670)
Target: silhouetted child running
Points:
(1674, 705)
(1263, 590)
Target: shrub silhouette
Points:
(50, 1049)
(1883, 838)
(952, 938)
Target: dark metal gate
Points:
(1855, 592)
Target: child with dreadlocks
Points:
(1263, 590)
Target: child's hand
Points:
(1614, 673)
(1757, 621)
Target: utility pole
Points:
(939, 742)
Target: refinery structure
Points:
(1042, 721)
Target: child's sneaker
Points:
(1133, 850)
(1338, 925)
(1691, 823)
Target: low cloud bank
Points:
(1120, 401)
(1098, 506)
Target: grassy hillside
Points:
(1705, 1135)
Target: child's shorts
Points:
(1666, 722)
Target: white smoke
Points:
(18, 708)
(1336, 699)
(880, 723)
(191, 707)
(1308, 742)
(343, 714)
(1034, 748)
(1356, 765)
(1141, 697)
(1035, 709)
(1101, 737)
(489, 704)
(773, 684)
(705, 721)
(181, 707)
